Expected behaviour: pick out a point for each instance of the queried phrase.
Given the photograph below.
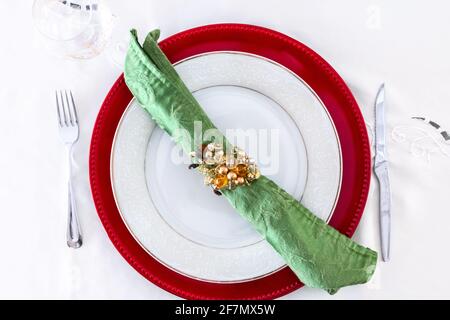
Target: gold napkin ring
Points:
(225, 170)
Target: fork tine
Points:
(63, 107)
(58, 109)
(74, 107)
(69, 109)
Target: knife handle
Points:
(385, 230)
(381, 172)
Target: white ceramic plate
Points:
(182, 223)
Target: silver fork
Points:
(69, 131)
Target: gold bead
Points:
(257, 174)
(223, 170)
(220, 181)
(250, 176)
(231, 175)
(240, 180)
(241, 170)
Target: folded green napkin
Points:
(319, 255)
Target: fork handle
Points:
(73, 235)
(73, 227)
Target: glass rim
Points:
(45, 34)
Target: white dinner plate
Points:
(177, 219)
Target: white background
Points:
(402, 43)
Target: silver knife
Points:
(381, 171)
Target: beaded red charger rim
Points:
(308, 65)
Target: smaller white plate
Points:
(210, 220)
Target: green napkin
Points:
(319, 255)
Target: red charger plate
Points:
(300, 59)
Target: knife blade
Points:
(382, 174)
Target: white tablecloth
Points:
(402, 43)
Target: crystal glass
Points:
(78, 29)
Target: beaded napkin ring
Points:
(224, 170)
